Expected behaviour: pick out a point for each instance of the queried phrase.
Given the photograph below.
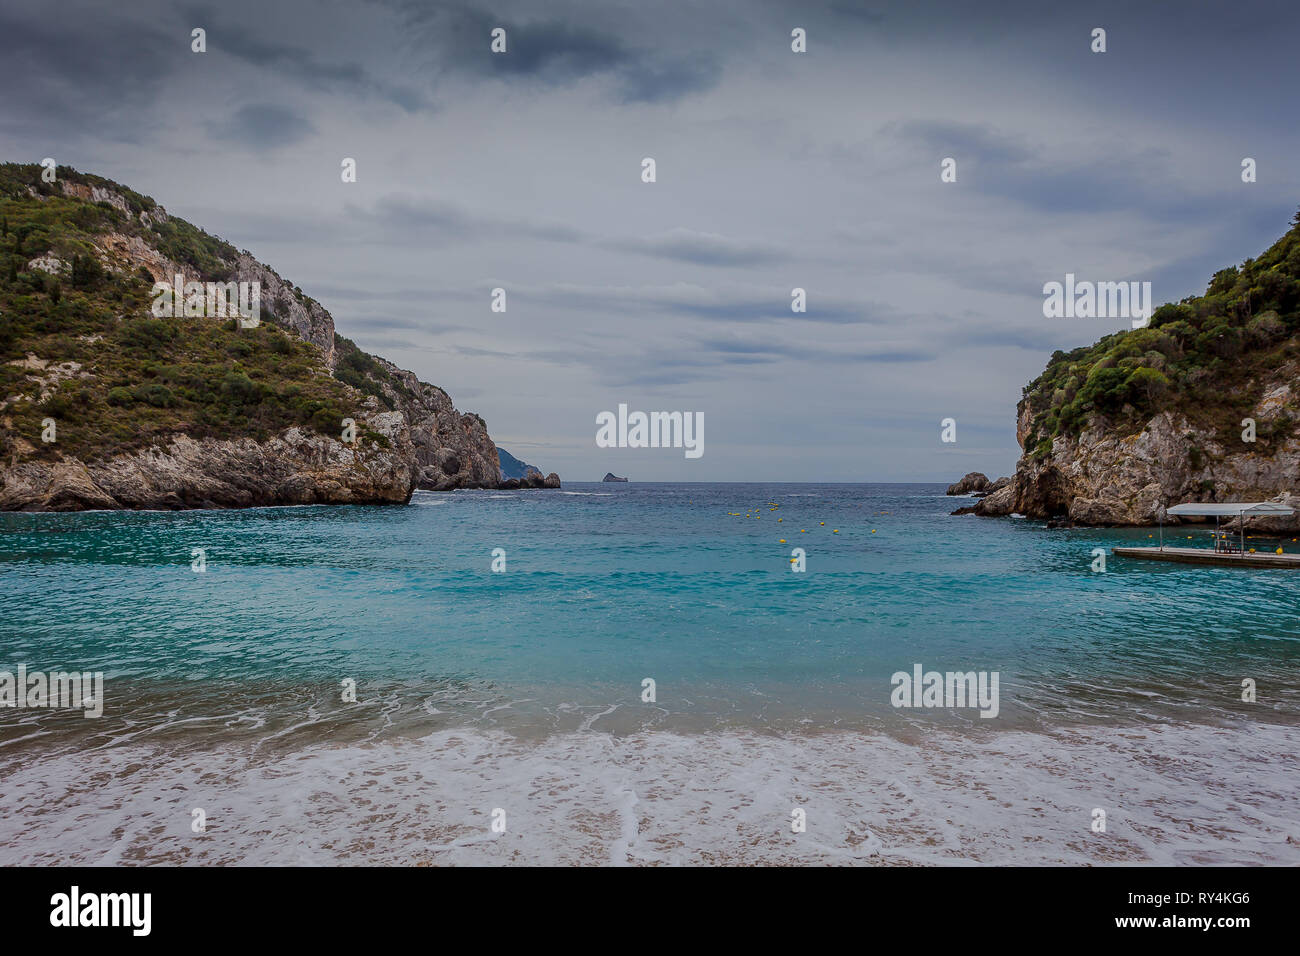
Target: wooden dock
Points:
(1234, 559)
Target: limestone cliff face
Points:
(1113, 476)
(293, 468)
(432, 444)
(288, 307)
(452, 450)
(1200, 404)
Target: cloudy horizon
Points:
(775, 170)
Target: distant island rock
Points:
(173, 411)
(512, 467)
(1202, 404)
(610, 476)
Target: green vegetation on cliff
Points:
(1207, 357)
(135, 378)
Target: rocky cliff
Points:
(294, 468)
(163, 411)
(1201, 405)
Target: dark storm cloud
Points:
(403, 216)
(552, 51)
(1001, 164)
(92, 78)
(668, 78)
(817, 170)
(313, 70)
(548, 49)
(263, 126)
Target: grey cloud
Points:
(263, 126)
(424, 216)
(95, 78)
(978, 141)
(406, 215)
(668, 79)
(226, 36)
(553, 51)
(701, 248)
(817, 171)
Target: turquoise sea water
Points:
(605, 586)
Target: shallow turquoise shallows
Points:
(606, 586)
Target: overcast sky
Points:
(775, 170)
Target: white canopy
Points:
(1232, 509)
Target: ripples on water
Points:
(604, 587)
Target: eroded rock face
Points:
(452, 449)
(306, 317)
(95, 194)
(1105, 477)
(294, 468)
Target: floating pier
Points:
(1234, 559)
(1226, 552)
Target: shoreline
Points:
(1173, 794)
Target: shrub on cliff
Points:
(1207, 356)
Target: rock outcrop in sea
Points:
(971, 481)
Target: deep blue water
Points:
(607, 584)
